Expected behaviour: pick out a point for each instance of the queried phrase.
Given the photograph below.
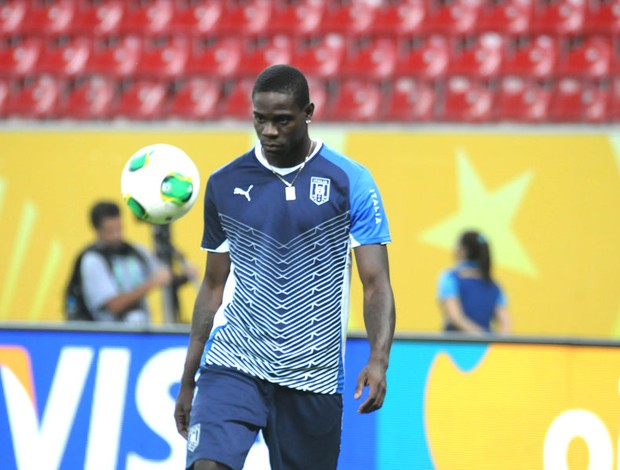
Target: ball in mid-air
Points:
(160, 183)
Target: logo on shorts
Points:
(193, 437)
(319, 190)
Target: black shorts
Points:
(302, 429)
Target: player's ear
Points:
(309, 111)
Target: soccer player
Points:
(282, 220)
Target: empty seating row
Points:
(251, 17)
(457, 99)
(431, 57)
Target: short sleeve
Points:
(98, 282)
(369, 223)
(447, 286)
(214, 237)
(502, 300)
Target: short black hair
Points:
(103, 210)
(286, 79)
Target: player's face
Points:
(111, 231)
(280, 126)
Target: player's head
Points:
(105, 217)
(282, 110)
(473, 246)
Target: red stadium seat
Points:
(602, 17)
(535, 58)
(321, 57)
(198, 19)
(68, 57)
(522, 100)
(249, 18)
(355, 101)
(559, 17)
(319, 96)
(268, 51)
(143, 100)
(237, 102)
(37, 98)
(12, 16)
(348, 18)
(372, 59)
(574, 100)
(467, 100)
(90, 98)
(410, 100)
(196, 99)
(591, 58)
(297, 18)
(117, 59)
(20, 59)
(427, 58)
(54, 18)
(5, 87)
(614, 100)
(219, 57)
(482, 58)
(102, 18)
(506, 16)
(165, 60)
(147, 19)
(456, 17)
(404, 18)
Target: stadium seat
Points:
(591, 58)
(466, 100)
(147, 18)
(65, 58)
(237, 101)
(320, 56)
(410, 100)
(102, 18)
(12, 16)
(350, 18)
(355, 101)
(614, 100)
(427, 58)
(402, 19)
(36, 98)
(195, 19)
(457, 17)
(575, 100)
(53, 18)
(21, 58)
(5, 87)
(265, 52)
(536, 57)
(481, 58)
(90, 98)
(116, 59)
(297, 18)
(372, 58)
(506, 16)
(195, 99)
(319, 96)
(522, 100)
(166, 60)
(143, 100)
(219, 57)
(250, 18)
(560, 17)
(602, 17)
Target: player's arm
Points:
(379, 318)
(454, 314)
(208, 301)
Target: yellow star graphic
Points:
(490, 212)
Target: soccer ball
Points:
(160, 183)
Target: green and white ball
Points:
(160, 183)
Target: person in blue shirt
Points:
(471, 301)
(270, 320)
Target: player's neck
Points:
(296, 157)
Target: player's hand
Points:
(182, 409)
(372, 376)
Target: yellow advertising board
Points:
(547, 202)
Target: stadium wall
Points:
(547, 198)
(104, 399)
